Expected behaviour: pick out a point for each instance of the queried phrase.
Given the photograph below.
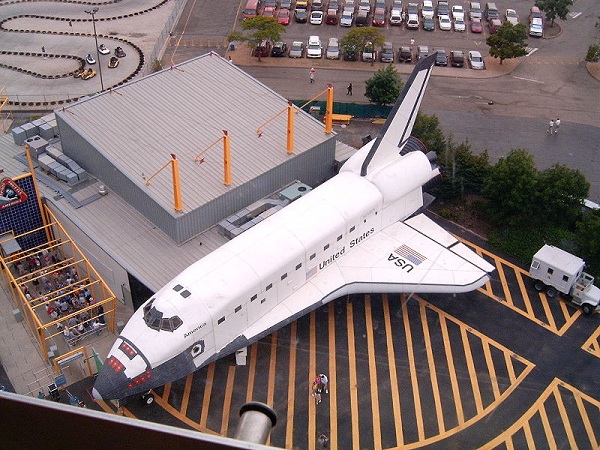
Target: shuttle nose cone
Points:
(96, 394)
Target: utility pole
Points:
(93, 14)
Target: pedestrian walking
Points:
(556, 125)
(412, 42)
(323, 441)
(349, 91)
(316, 393)
(551, 127)
(324, 382)
(312, 74)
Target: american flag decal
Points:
(312, 271)
(412, 255)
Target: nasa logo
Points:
(399, 262)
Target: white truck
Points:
(556, 270)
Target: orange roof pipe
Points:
(290, 128)
(226, 159)
(329, 110)
(176, 184)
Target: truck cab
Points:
(555, 270)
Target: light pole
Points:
(93, 14)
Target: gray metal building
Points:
(124, 136)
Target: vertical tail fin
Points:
(399, 124)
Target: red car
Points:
(476, 26)
(283, 16)
(269, 11)
(379, 17)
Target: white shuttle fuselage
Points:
(349, 235)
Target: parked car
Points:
(396, 16)
(362, 19)
(279, 49)
(476, 26)
(412, 22)
(422, 52)
(493, 25)
(347, 18)
(458, 12)
(444, 23)
(535, 13)
(536, 27)
(427, 9)
(286, 4)
(428, 24)
(474, 10)
(443, 9)
(457, 58)
(459, 25)
(405, 54)
(475, 60)
(511, 16)
(441, 58)
(263, 49)
(269, 11)
(333, 49)
(297, 50)
(379, 17)
(331, 18)
(314, 49)
(387, 53)
(300, 15)
(369, 54)
(316, 5)
(334, 4)
(283, 16)
(316, 17)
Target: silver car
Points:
(333, 49)
(297, 49)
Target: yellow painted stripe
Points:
(289, 424)
(509, 444)
(353, 385)
(312, 411)
(505, 287)
(491, 369)
(333, 413)
(395, 392)
(272, 375)
(167, 392)
(175, 413)
(186, 393)
(524, 293)
(435, 388)
(251, 372)
(472, 371)
(227, 401)
(510, 367)
(547, 427)
(105, 406)
(373, 375)
(585, 418)
(565, 419)
(460, 414)
(528, 435)
(413, 371)
(210, 375)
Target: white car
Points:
(459, 25)
(427, 9)
(396, 17)
(511, 16)
(445, 23)
(536, 27)
(412, 22)
(333, 49)
(476, 60)
(316, 17)
(314, 49)
(458, 12)
(347, 18)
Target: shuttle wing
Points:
(415, 255)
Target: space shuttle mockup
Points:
(355, 233)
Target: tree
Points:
(509, 189)
(356, 38)
(509, 41)
(587, 236)
(385, 86)
(266, 28)
(559, 194)
(554, 8)
(427, 129)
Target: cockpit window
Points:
(155, 320)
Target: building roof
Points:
(183, 110)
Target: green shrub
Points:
(593, 53)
